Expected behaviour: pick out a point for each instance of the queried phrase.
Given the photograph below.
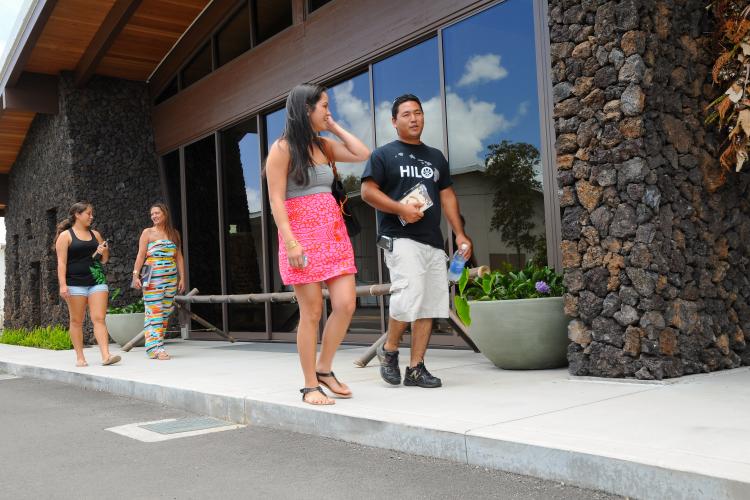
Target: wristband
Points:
(135, 272)
(291, 244)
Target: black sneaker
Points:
(421, 377)
(389, 370)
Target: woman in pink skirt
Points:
(314, 246)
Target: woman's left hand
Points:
(181, 287)
(331, 124)
(102, 247)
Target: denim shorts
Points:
(85, 291)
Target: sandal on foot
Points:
(307, 390)
(342, 395)
(163, 356)
(111, 360)
(81, 364)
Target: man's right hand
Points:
(412, 213)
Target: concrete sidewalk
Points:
(676, 439)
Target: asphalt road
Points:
(53, 445)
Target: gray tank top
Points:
(321, 178)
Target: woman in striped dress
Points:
(159, 248)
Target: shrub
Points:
(529, 283)
(45, 337)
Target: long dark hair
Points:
(172, 233)
(298, 130)
(65, 224)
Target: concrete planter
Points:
(526, 334)
(123, 327)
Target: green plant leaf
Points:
(463, 310)
(463, 281)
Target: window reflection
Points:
(494, 132)
(284, 316)
(271, 17)
(313, 5)
(169, 91)
(203, 226)
(242, 216)
(234, 38)
(198, 67)
(349, 103)
(413, 71)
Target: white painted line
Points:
(134, 431)
(7, 376)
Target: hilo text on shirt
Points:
(417, 172)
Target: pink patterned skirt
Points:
(318, 226)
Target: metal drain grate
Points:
(185, 425)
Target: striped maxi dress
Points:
(158, 294)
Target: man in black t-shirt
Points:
(416, 260)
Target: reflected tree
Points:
(510, 166)
(351, 183)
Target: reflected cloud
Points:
(481, 68)
(253, 199)
(353, 114)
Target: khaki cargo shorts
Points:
(419, 281)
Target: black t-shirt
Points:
(396, 167)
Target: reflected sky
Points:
(413, 71)
(349, 103)
(491, 85)
(250, 158)
(274, 126)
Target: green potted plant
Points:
(516, 319)
(124, 323)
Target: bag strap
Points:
(328, 152)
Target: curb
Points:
(586, 470)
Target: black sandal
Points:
(307, 390)
(330, 374)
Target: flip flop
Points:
(111, 360)
(81, 364)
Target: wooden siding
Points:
(343, 36)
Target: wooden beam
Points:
(211, 17)
(33, 92)
(116, 19)
(298, 11)
(19, 53)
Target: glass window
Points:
(284, 316)
(169, 91)
(313, 5)
(349, 103)
(271, 17)
(234, 38)
(198, 67)
(203, 227)
(413, 71)
(494, 132)
(243, 202)
(171, 165)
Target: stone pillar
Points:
(655, 264)
(98, 148)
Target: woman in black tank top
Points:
(80, 253)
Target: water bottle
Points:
(457, 264)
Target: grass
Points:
(45, 337)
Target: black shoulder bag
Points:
(339, 193)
